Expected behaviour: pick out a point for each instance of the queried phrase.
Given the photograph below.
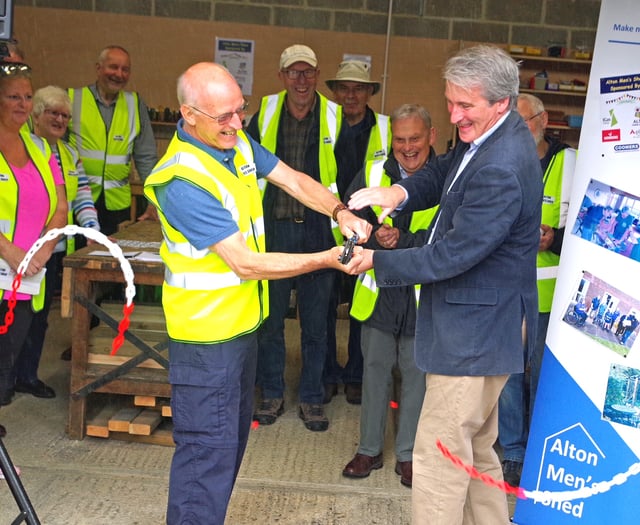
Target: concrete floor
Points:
(290, 476)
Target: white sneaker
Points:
(2, 473)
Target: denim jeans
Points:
(352, 371)
(517, 399)
(313, 291)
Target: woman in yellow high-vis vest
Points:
(32, 201)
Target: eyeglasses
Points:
(8, 69)
(533, 116)
(225, 118)
(56, 114)
(293, 74)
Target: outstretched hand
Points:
(350, 224)
(388, 198)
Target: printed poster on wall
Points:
(237, 56)
(584, 442)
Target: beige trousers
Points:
(462, 412)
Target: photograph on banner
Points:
(620, 112)
(610, 217)
(604, 313)
(622, 401)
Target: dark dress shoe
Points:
(37, 388)
(3, 431)
(362, 465)
(6, 397)
(353, 392)
(405, 470)
(330, 390)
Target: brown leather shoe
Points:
(353, 392)
(405, 470)
(361, 466)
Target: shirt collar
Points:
(475, 144)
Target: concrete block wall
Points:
(532, 22)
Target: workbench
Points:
(82, 271)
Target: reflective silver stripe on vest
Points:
(269, 111)
(332, 121)
(258, 227)
(190, 161)
(547, 272)
(186, 249)
(375, 174)
(383, 125)
(99, 154)
(112, 184)
(368, 282)
(201, 280)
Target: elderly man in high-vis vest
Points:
(558, 162)
(353, 88)
(215, 293)
(110, 128)
(308, 132)
(388, 315)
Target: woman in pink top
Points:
(32, 201)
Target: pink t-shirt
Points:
(33, 206)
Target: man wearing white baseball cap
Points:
(307, 131)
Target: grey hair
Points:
(50, 97)
(536, 105)
(411, 110)
(105, 51)
(487, 67)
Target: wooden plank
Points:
(145, 423)
(147, 317)
(66, 294)
(101, 341)
(145, 401)
(166, 411)
(120, 421)
(98, 426)
(163, 437)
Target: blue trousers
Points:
(352, 371)
(212, 406)
(313, 293)
(517, 399)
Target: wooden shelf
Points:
(553, 93)
(553, 59)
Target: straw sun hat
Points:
(354, 71)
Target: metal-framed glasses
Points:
(534, 116)
(57, 114)
(293, 74)
(225, 118)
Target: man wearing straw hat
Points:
(352, 88)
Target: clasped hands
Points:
(387, 198)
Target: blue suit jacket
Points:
(479, 273)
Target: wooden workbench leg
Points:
(79, 351)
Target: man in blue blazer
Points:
(478, 302)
